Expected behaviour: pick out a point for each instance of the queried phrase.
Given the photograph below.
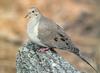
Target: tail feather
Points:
(77, 52)
(88, 63)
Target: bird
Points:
(45, 32)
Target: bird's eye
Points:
(33, 11)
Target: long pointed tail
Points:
(77, 52)
(88, 63)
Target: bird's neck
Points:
(33, 21)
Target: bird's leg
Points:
(43, 49)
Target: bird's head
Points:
(33, 13)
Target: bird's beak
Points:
(26, 16)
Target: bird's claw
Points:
(43, 49)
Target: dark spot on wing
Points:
(62, 39)
(56, 39)
(61, 34)
(67, 44)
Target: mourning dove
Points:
(47, 33)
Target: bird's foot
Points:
(43, 49)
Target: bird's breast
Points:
(32, 31)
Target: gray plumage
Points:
(53, 35)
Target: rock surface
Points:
(31, 60)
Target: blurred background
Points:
(80, 19)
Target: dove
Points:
(45, 32)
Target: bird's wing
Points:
(53, 35)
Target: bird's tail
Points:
(88, 63)
(77, 52)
